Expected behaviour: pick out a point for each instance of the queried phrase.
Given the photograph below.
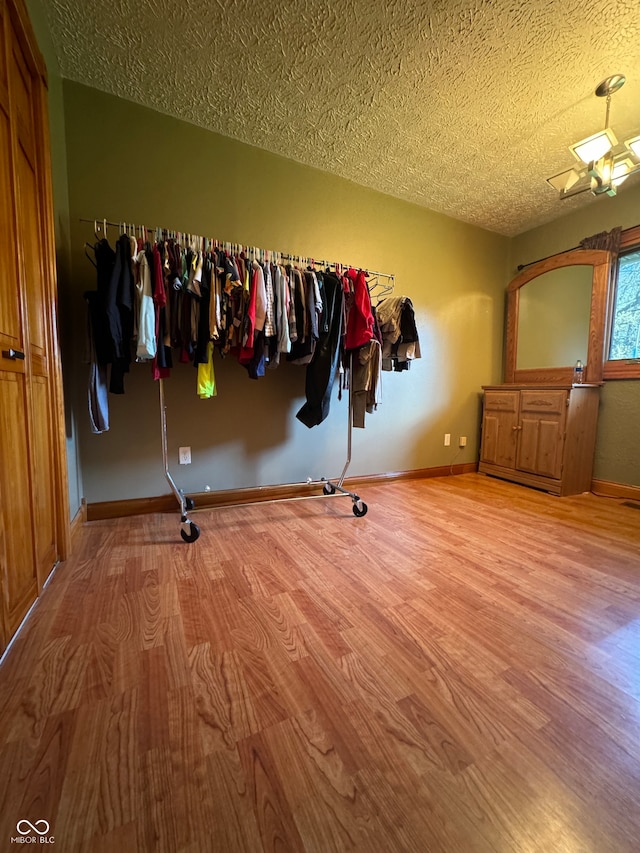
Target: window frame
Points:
(620, 368)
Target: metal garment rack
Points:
(334, 487)
(190, 531)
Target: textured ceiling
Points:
(462, 106)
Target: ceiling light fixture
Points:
(602, 164)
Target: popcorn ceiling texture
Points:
(461, 106)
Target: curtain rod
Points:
(521, 267)
(122, 226)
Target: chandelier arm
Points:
(570, 193)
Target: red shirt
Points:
(360, 318)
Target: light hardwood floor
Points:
(457, 671)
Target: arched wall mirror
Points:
(556, 312)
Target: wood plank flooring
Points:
(457, 671)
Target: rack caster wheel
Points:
(329, 489)
(189, 503)
(360, 508)
(192, 533)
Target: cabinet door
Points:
(11, 328)
(23, 85)
(18, 570)
(541, 433)
(18, 581)
(499, 428)
(28, 421)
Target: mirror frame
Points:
(600, 260)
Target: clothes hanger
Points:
(88, 256)
(378, 291)
(96, 229)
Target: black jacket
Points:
(321, 370)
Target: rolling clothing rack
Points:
(189, 530)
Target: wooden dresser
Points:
(541, 436)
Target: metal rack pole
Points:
(349, 427)
(165, 455)
(359, 507)
(189, 530)
(104, 223)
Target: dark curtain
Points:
(608, 240)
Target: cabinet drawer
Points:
(501, 401)
(543, 402)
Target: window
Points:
(625, 328)
(623, 358)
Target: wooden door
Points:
(34, 526)
(499, 428)
(18, 575)
(23, 85)
(541, 433)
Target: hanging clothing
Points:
(295, 305)
(108, 291)
(400, 343)
(146, 347)
(215, 301)
(97, 388)
(162, 361)
(121, 303)
(360, 314)
(365, 380)
(206, 376)
(201, 353)
(174, 259)
(303, 348)
(270, 320)
(321, 371)
(113, 309)
(282, 295)
(255, 314)
(163, 294)
(261, 296)
(256, 364)
(106, 327)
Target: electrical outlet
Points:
(463, 441)
(447, 439)
(184, 455)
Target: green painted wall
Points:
(128, 163)
(115, 159)
(63, 245)
(617, 453)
